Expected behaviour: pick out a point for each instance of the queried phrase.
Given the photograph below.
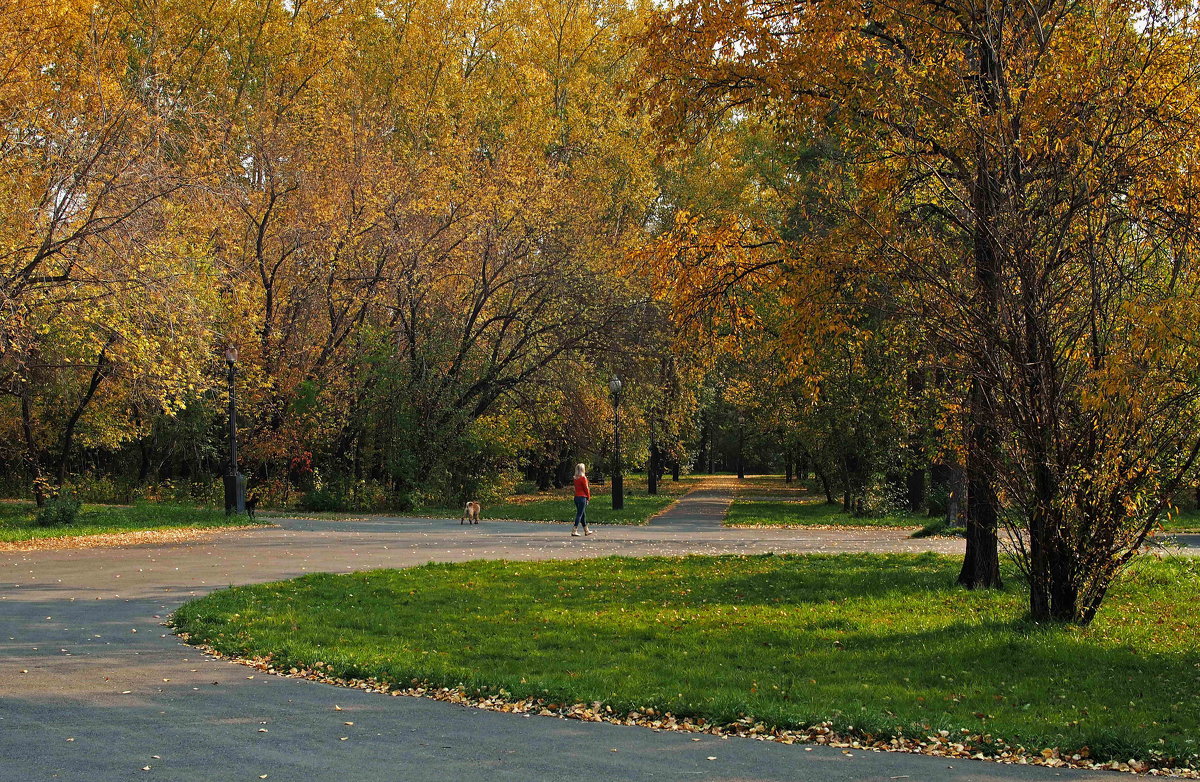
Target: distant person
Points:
(583, 493)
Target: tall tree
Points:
(1023, 174)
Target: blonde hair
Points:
(580, 470)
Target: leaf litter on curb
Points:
(939, 744)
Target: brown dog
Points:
(471, 513)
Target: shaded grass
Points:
(877, 644)
(939, 526)
(781, 513)
(18, 520)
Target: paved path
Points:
(93, 688)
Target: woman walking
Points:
(583, 493)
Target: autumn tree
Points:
(102, 296)
(416, 213)
(1022, 176)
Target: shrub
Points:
(322, 499)
(939, 526)
(60, 510)
(525, 487)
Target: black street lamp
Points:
(741, 444)
(618, 480)
(235, 482)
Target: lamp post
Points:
(235, 482)
(618, 480)
(741, 443)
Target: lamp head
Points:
(231, 355)
(614, 385)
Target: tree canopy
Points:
(939, 254)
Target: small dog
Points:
(251, 504)
(471, 513)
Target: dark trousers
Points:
(581, 511)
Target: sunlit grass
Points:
(806, 513)
(882, 644)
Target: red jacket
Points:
(581, 487)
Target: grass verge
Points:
(877, 645)
(805, 513)
(18, 520)
(1183, 521)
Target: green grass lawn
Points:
(876, 644)
(808, 512)
(774, 486)
(18, 520)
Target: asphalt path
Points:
(93, 687)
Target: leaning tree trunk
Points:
(825, 485)
(68, 438)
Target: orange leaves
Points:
(711, 271)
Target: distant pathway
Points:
(93, 688)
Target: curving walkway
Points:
(93, 688)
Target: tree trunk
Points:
(787, 468)
(824, 479)
(31, 451)
(956, 487)
(981, 562)
(916, 490)
(847, 498)
(939, 485)
(1053, 593)
(143, 461)
(98, 376)
(652, 467)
